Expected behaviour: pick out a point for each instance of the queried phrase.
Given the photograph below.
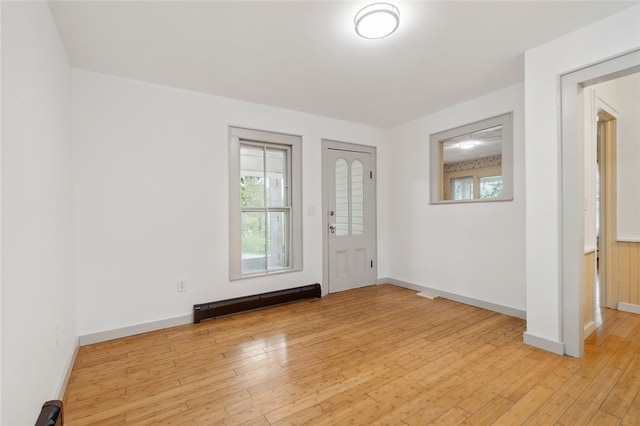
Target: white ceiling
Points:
(305, 56)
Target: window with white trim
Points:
(264, 203)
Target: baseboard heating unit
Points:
(205, 311)
(51, 414)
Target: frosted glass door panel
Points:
(357, 198)
(342, 198)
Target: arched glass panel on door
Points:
(342, 197)
(357, 198)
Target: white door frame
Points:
(608, 292)
(572, 190)
(344, 146)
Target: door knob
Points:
(332, 228)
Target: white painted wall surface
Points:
(543, 65)
(152, 197)
(38, 302)
(473, 249)
(623, 95)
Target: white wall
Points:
(38, 302)
(152, 197)
(623, 94)
(543, 67)
(474, 250)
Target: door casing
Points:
(606, 246)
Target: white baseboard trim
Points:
(103, 336)
(506, 310)
(629, 307)
(589, 328)
(68, 368)
(542, 343)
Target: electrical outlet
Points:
(182, 286)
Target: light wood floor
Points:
(376, 355)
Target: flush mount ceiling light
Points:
(467, 144)
(377, 20)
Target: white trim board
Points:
(629, 307)
(501, 309)
(589, 328)
(628, 240)
(103, 336)
(542, 343)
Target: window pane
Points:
(491, 187)
(462, 188)
(277, 253)
(357, 198)
(342, 198)
(251, 176)
(253, 242)
(276, 173)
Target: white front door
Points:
(350, 190)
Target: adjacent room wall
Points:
(543, 67)
(151, 182)
(38, 294)
(475, 250)
(622, 97)
(623, 94)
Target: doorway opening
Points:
(573, 191)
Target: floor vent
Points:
(205, 311)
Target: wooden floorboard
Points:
(375, 355)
